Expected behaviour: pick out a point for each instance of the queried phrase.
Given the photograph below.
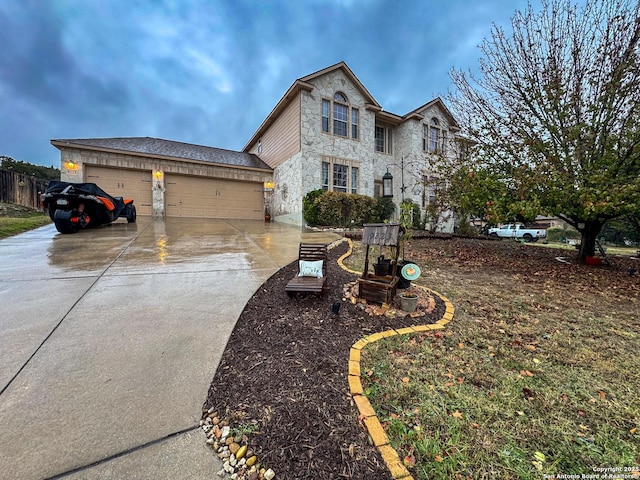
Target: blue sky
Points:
(209, 72)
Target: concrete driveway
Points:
(109, 339)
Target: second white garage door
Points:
(190, 196)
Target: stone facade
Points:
(302, 172)
(73, 161)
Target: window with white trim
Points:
(383, 138)
(339, 118)
(340, 175)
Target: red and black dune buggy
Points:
(74, 206)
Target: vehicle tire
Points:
(527, 237)
(62, 221)
(131, 217)
(493, 235)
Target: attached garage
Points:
(167, 178)
(190, 196)
(124, 183)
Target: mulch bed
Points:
(284, 372)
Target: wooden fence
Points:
(21, 189)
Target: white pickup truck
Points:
(518, 232)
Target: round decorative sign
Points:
(411, 271)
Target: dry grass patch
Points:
(538, 374)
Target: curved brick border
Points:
(379, 437)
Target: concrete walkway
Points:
(109, 339)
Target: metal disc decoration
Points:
(411, 271)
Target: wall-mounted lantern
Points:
(269, 186)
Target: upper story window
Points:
(354, 123)
(383, 139)
(335, 113)
(434, 135)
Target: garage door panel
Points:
(190, 196)
(117, 182)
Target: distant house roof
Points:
(167, 149)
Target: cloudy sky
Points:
(209, 71)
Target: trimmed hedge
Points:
(338, 209)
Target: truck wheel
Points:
(493, 235)
(527, 237)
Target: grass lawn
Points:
(538, 373)
(15, 219)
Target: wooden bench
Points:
(310, 252)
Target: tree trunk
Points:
(589, 236)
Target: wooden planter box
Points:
(377, 289)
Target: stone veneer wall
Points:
(73, 161)
(121, 160)
(302, 172)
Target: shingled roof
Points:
(159, 148)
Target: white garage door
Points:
(190, 196)
(119, 182)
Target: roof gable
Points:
(303, 84)
(438, 103)
(350, 75)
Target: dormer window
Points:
(336, 113)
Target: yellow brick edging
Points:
(368, 414)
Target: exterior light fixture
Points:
(269, 185)
(387, 185)
(158, 174)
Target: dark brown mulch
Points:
(285, 370)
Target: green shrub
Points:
(411, 212)
(340, 209)
(556, 234)
(464, 228)
(311, 207)
(385, 208)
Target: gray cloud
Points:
(210, 72)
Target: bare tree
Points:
(554, 111)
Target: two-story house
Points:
(327, 131)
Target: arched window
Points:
(335, 112)
(340, 114)
(340, 97)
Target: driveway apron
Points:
(110, 337)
